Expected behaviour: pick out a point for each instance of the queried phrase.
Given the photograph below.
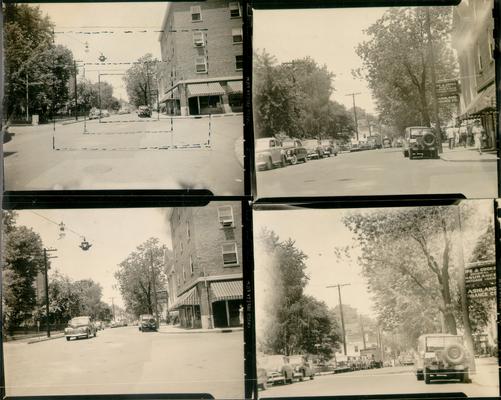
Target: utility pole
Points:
(76, 94)
(46, 268)
(341, 311)
(355, 110)
(99, 93)
(433, 81)
(153, 284)
(27, 98)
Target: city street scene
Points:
(375, 101)
(123, 301)
(123, 96)
(376, 301)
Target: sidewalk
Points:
(487, 371)
(176, 330)
(461, 154)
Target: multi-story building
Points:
(205, 275)
(473, 40)
(202, 58)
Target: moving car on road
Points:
(329, 146)
(144, 111)
(269, 153)
(294, 151)
(314, 149)
(80, 327)
(442, 356)
(420, 141)
(147, 322)
(302, 368)
(276, 368)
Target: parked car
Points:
(314, 149)
(116, 324)
(268, 153)
(277, 369)
(302, 368)
(386, 143)
(80, 327)
(262, 379)
(95, 113)
(420, 142)
(124, 110)
(325, 366)
(442, 356)
(144, 111)
(294, 151)
(147, 322)
(329, 146)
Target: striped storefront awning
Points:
(190, 298)
(235, 87)
(484, 103)
(205, 89)
(227, 290)
(170, 95)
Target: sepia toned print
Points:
(124, 96)
(376, 301)
(382, 101)
(124, 301)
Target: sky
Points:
(113, 233)
(118, 46)
(329, 36)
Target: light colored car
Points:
(269, 153)
(330, 147)
(314, 149)
(80, 327)
(302, 368)
(442, 356)
(277, 369)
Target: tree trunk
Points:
(424, 107)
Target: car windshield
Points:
(296, 360)
(288, 143)
(440, 342)
(328, 142)
(271, 362)
(418, 132)
(146, 317)
(310, 143)
(262, 144)
(79, 321)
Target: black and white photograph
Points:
(123, 96)
(376, 301)
(123, 301)
(375, 101)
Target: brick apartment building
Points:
(205, 275)
(202, 58)
(473, 40)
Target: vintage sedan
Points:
(277, 369)
(314, 149)
(302, 368)
(294, 151)
(80, 327)
(269, 153)
(330, 147)
(147, 322)
(144, 111)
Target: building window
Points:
(198, 39)
(196, 13)
(239, 62)
(201, 65)
(490, 40)
(230, 256)
(356, 349)
(192, 269)
(237, 35)
(479, 58)
(235, 9)
(225, 215)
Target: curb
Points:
(205, 331)
(468, 160)
(45, 339)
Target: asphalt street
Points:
(124, 360)
(128, 152)
(392, 380)
(379, 172)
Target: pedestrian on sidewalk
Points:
(463, 134)
(450, 132)
(478, 132)
(241, 314)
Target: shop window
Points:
(201, 65)
(225, 215)
(239, 63)
(198, 39)
(196, 13)
(237, 35)
(230, 256)
(235, 11)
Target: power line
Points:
(58, 224)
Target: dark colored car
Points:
(420, 142)
(330, 147)
(147, 322)
(294, 151)
(314, 148)
(80, 327)
(144, 111)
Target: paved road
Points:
(128, 155)
(379, 172)
(124, 360)
(397, 380)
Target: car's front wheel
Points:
(68, 338)
(427, 377)
(419, 375)
(293, 160)
(269, 164)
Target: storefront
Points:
(227, 303)
(205, 98)
(188, 306)
(235, 96)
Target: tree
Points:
(22, 261)
(396, 62)
(140, 80)
(33, 63)
(135, 277)
(91, 95)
